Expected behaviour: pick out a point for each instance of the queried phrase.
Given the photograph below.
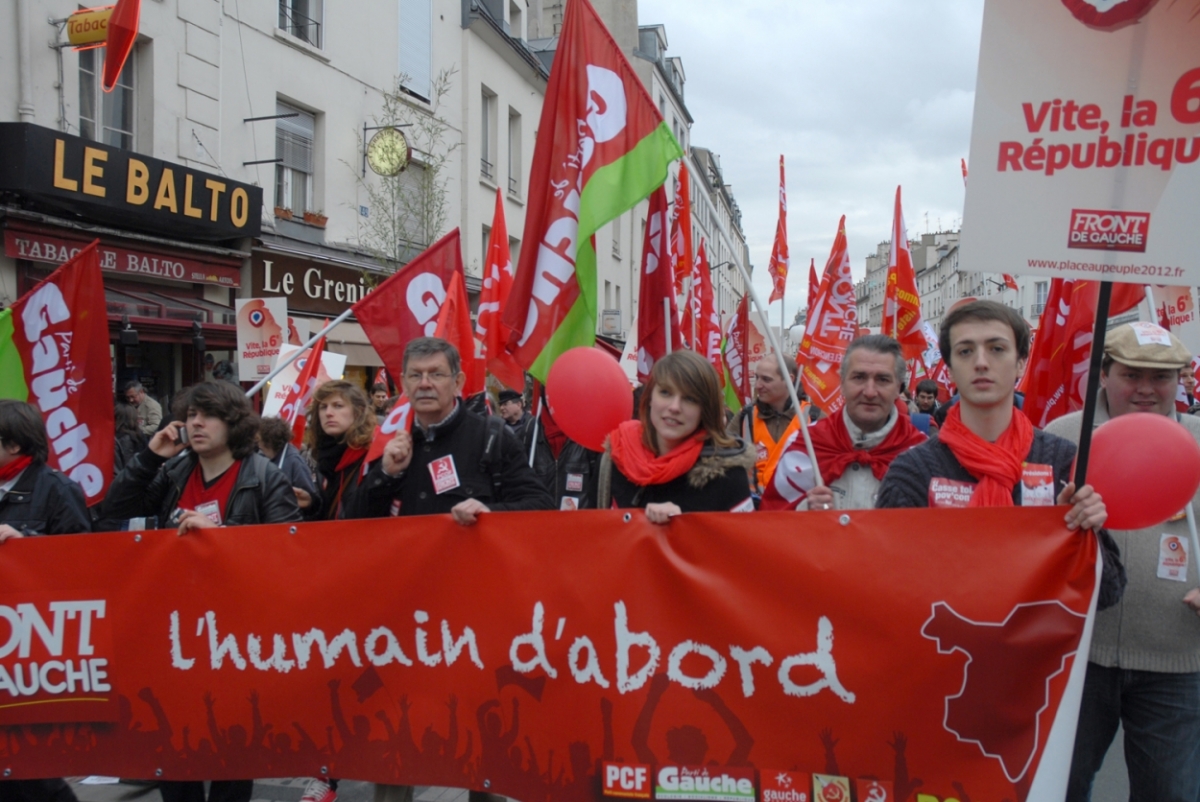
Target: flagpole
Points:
(533, 441)
(783, 371)
(667, 321)
(283, 363)
(1093, 385)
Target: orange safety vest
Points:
(768, 450)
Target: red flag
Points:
(777, 268)
(295, 406)
(681, 229)
(902, 302)
(54, 355)
(1010, 281)
(1056, 376)
(737, 357)
(122, 33)
(381, 377)
(964, 169)
(490, 335)
(602, 147)
(657, 315)
(400, 418)
(406, 305)
(454, 326)
(701, 321)
(832, 324)
(813, 284)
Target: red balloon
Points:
(588, 395)
(1146, 467)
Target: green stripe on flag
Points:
(731, 397)
(611, 191)
(12, 369)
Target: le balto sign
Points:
(117, 187)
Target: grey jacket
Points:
(1150, 629)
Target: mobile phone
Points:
(183, 435)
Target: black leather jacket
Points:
(45, 502)
(151, 485)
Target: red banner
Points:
(54, 355)
(510, 658)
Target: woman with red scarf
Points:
(340, 427)
(676, 457)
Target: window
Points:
(294, 149)
(514, 153)
(616, 229)
(487, 233)
(487, 141)
(607, 294)
(416, 47)
(516, 25)
(106, 117)
(1041, 290)
(302, 19)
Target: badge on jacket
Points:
(445, 475)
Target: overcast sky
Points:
(857, 96)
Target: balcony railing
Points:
(298, 24)
(485, 169)
(1035, 310)
(514, 185)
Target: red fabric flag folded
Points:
(832, 324)
(902, 302)
(406, 305)
(454, 326)
(490, 335)
(701, 320)
(657, 313)
(681, 229)
(777, 267)
(295, 406)
(814, 284)
(1010, 281)
(737, 350)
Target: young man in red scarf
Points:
(855, 447)
(987, 453)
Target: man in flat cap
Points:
(521, 423)
(1144, 668)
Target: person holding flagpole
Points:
(988, 454)
(771, 421)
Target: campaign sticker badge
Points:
(786, 786)
(707, 783)
(445, 475)
(1037, 485)
(828, 788)
(569, 504)
(574, 482)
(873, 791)
(1172, 558)
(950, 493)
(210, 510)
(627, 780)
(745, 506)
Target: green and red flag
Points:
(54, 355)
(602, 147)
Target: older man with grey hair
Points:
(854, 446)
(149, 411)
(1143, 671)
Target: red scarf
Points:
(998, 464)
(836, 452)
(642, 466)
(15, 467)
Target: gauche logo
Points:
(1098, 230)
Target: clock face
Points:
(387, 152)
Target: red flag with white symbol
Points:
(777, 267)
(490, 335)
(657, 314)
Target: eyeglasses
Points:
(437, 377)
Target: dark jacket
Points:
(577, 475)
(543, 457)
(504, 484)
(718, 482)
(907, 485)
(126, 447)
(45, 502)
(152, 485)
(297, 471)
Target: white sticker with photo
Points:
(1172, 557)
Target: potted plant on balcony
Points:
(317, 219)
(283, 213)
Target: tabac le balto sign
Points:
(108, 185)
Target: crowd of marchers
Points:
(216, 463)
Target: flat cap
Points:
(1146, 345)
(509, 395)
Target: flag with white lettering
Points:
(901, 301)
(602, 147)
(295, 406)
(54, 355)
(497, 286)
(681, 229)
(406, 305)
(777, 267)
(658, 319)
(832, 324)
(735, 352)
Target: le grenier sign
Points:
(103, 184)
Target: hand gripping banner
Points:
(541, 662)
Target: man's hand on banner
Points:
(1088, 510)
(190, 519)
(397, 454)
(662, 513)
(167, 442)
(303, 497)
(466, 512)
(7, 533)
(820, 498)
